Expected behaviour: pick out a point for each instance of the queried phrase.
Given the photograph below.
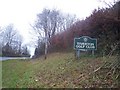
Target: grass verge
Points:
(60, 70)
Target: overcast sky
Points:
(23, 12)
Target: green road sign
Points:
(85, 43)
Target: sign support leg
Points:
(75, 53)
(78, 54)
(93, 52)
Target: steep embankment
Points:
(59, 70)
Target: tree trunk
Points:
(46, 46)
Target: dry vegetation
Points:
(60, 70)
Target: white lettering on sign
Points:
(85, 45)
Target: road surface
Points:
(8, 58)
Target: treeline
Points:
(49, 23)
(11, 42)
(103, 24)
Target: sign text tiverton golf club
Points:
(85, 43)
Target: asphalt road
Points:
(9, 58)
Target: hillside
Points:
(59, 70)
(103, 24)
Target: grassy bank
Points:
(59, 70)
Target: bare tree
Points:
(42, 23)
(1, 38)
(12, 40)
(25, 51)
(8, 34)
(17, 43)
(67, 21)
(47, 22)
(51, 22)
